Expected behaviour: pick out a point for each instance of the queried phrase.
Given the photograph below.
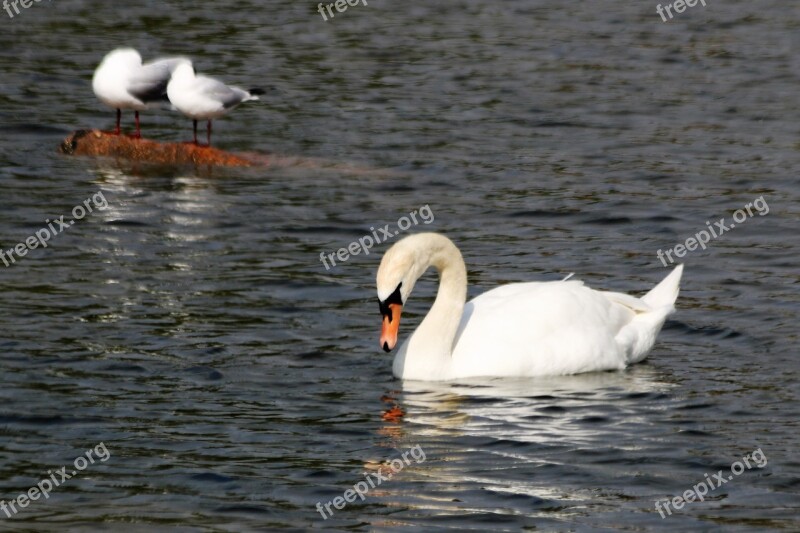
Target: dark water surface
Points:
(191, 328)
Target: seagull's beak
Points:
(391, 325)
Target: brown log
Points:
(105, 144)
(99, 143)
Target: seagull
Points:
(204, 98)
(121, 81)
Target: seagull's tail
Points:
(253, 93)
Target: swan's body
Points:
(201, 97)
(121, 81)
(517, 330)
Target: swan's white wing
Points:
(530, 329)
(631, 302)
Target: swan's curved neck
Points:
(438, 330)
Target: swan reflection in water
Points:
(506, 408)
(506, 437)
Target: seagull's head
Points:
(184, 70)
(178, 62)
(123, 56)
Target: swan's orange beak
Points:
(391, 325)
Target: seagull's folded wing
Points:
(149, 83)
(216, 90)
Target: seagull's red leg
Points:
(138, 131)
(208, 133)
(119, 117)
(195, 132)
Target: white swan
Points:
(517, 330)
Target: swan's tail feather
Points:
(639, 336)
(666, 292)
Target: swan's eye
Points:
(393, 298)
